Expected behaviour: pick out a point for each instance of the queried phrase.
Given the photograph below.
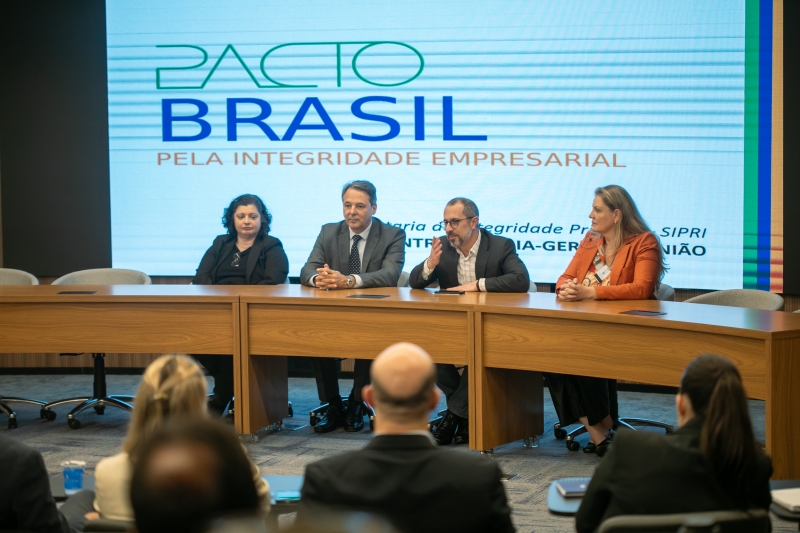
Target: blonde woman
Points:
(173, 386)
(619, 259)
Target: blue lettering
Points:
(394, 126)
(234, 120)
(167, 118)
(297, 123)
(447, 120)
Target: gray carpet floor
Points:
(288, 451)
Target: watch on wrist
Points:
(350, 282)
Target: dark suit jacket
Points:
(648, 473)
(267, 263)
(497, 261)
(417, 486)
(384, 254)
(25, 499)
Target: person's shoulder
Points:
(497, 240)
(15, 450)
(220, 239)
(333, 463)
(388, 228)
(471, 465)
(269, 241)
(114, 462)
(646, 238)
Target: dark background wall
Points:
(54, 136)
(54, 186)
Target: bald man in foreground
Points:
(401, 474)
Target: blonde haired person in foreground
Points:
(172, 387)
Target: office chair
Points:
(752, 521)
(9, 276)
(315, 415)
(746, 298)
(105, 525)
(99, 398)
(665, 292)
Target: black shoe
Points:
(462, 434)
(332, 419)
(603, 447)
(354, 421)
(446, 430)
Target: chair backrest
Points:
(747, 298)
(532, 288)
(665, 293)
(752, 521)
(403, 280)
(105, 525)
(104, 276)
(10, 276)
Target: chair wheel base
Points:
(559, 432)
(12, 423)
(573, 445)
(74, 423)
(47, 414)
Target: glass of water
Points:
(73, 476)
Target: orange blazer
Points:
(633, 275)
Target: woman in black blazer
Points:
(711, 463)
(246, 255)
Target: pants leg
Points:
(360, 377)
(220, 367)
(577, 396)
(326, 373)
(455, 388)
(76, 507)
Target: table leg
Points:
(783, 406)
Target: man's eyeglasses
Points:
(236, 257)
(453, 222)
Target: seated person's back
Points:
(711, 462)
(25, 499)
(401, 474)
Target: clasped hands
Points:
(572, 291)
(330, 279)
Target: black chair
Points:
(10, 276)
(752, 521)
(100, 398)
(104, 525)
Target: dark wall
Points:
(54, 136)
(791, 144)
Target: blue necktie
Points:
(354, 264)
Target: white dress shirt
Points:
(466, 266)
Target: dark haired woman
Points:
(246, 255)
(619, 259)
(712, 462)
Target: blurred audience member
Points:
(401, 474)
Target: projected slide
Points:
(525, 107)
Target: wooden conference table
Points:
(506, 339)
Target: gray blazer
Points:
(497, 261)
(384, 254)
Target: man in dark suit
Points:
(25, 499)
(401, 474)
(470, 259)
(358, 252)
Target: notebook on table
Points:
(573, 487)
(788, 499)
